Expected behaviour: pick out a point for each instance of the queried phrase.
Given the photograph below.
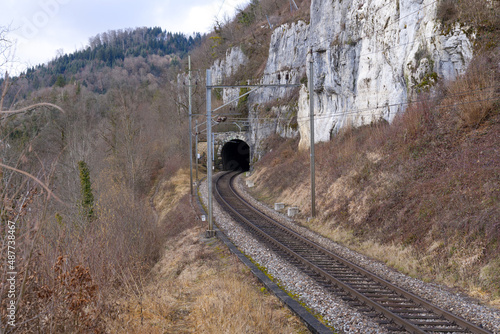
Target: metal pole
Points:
(210, 231)
(213, 151)
(311, 121)
(196, 148)
(270, 25)
(239, 127)
(190, 132)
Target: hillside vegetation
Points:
(93, 150)
(92, 145)
(152, 49)
(423, 193)
(84, 139)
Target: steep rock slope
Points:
(370, 58)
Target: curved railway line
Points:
(395, 309)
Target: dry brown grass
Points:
(167, 193)
(473, 97)
(199, 287)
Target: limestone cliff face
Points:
(226, 67)
(369, 56)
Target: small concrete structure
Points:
(292, 211)
(279, 206)
(250, 184)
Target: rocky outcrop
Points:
(370, 57)
(226, 67)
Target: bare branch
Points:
(5, 89)
(33, 106)
(35, 179)
(5, 46)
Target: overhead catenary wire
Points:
(395, 104)
(393, 46)
(383, 30)
(305, 120)
(329, 116)
(220, 8)
(358, 111)
(354, 112)
(227, 5)
(389, 47)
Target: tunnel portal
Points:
(235, 155)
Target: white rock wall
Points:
(226, 67)
(286, 62)
(370, 57)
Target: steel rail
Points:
(419, 302)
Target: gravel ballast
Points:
(333, 310)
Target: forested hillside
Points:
(115, 48)
(84, 139)
(87, 141)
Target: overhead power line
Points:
(393, 104)
(355, 112)
(397, 104)
(220, 8)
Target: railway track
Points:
(395, 309)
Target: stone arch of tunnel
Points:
(235, 155)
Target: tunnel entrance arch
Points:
(235, 155)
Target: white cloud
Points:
(43, 26)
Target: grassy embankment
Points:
(421, 194)
(197, 286)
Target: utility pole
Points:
(210, 232)
(190, 132)
(196, 148)
(311, 123)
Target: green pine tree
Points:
(86, 190)
(60, 81)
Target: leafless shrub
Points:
(474, 95)
(447, 10)
(481, 15)
(68, 266)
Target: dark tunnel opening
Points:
(236, 155)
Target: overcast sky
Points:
(41, 27)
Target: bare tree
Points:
(5, 47)
(20, 184)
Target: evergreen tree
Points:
(86, 190)
(60, 81)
